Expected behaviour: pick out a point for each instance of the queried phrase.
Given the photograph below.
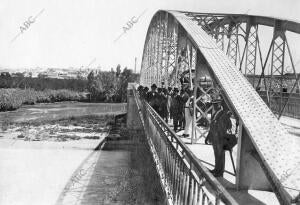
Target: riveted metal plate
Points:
(278, 150)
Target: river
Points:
(42, 145)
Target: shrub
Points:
(11, 99)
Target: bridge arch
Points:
(180, 44)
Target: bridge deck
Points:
(205, 154)
(276, 147)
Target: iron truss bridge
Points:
(226, 53)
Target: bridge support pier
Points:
(250, 175)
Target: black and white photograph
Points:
(150, 102)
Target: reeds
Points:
(12, 99)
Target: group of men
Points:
(169, 103)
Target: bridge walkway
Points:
(206, 156)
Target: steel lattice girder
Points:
(217, 22)
(172, 55)
(251, 51)
(265, 131)
(231, 26)
(165, 49)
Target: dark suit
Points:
(219, 125)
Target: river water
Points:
(38, 158)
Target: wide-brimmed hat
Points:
(153, 86)
(215, 101)
(216, 98)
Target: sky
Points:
(76, 33)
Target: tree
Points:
(109, 84)
(125, 77)
(19, 75)
(5, 75)
(41, 75)
(118, 70)
(90, 85)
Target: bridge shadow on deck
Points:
(241, 196)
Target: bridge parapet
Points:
(184, 178)
(180, 50)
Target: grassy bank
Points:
(12, 99)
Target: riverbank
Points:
(14, 98)
(42, 145)
(122, 172)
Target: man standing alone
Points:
(176, 109)
(220, 123)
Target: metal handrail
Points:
(292, 108)
(183, 162)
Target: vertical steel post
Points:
(277, 65)
(251, 50)
(232, 48)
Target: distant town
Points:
(58, 73)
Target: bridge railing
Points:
(185, 179)
(290, 100)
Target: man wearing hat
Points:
(220, 123)
(176, 108)
(169, 98)
(159, 101)
(152, 98)
(162, 102)
(140, 90)
(144, 93)
(188, 111)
